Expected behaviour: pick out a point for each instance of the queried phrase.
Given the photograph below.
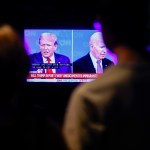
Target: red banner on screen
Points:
(64, 76)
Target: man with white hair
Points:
(95, 61)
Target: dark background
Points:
(51, 13)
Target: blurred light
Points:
(148, 48)
(97, 26)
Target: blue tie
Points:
(99, 68)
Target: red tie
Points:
(49, 70)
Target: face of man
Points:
(47, 44)
(97, 46)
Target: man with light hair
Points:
(95, 61)
(48, 44)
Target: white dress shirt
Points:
(52, 61)
(94, 61)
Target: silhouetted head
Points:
(14, 62)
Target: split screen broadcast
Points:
(65, 55)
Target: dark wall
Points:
(50, 13)
(52, 97)
(48, 98)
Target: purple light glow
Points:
(27, 47)
(112, 56)
(97, 26)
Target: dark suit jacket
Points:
(85, 65)
(36, 58)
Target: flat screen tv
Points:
(71, 43)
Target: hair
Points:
(51, 36)
(125, 23)
(14, 61)
(97, 36)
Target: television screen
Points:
(65, 55)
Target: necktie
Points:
(49, 70)
(99, 68)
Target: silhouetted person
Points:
(113, 111)
(21, 128)
(14, 66)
